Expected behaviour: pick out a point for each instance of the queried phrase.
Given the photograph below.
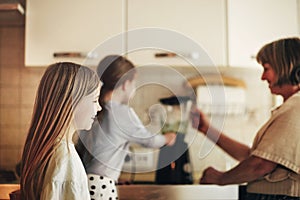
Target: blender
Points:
(175, 116)
(174, 165)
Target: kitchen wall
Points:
(17, 91)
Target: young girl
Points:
(66, 100)
(117, 126)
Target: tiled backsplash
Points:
(17, 92)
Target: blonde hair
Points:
(284, 57)
(61, 88)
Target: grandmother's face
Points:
(270, 76)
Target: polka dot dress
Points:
(102, 188)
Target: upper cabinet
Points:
(54, 28)
(168, 32)
(253, 23)
(193, 32)
(298, 2)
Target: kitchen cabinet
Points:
(168, 33)
(194, 30)
(298, 2)
(253, 23)
(69, 26)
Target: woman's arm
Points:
(248, 170)
(234, 148)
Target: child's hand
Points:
(170, 138)
(199, 120)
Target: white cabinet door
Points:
(253, 23)
(298, 2)
(194, 29)
(56, 26)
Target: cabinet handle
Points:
(68, 55)
(12, 7)
(161, 55)
(193, 55)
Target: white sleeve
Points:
(64, 191)
(136, 132)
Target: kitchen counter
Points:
(5, 189)
(177, 192)
(160, 192)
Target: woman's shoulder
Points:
(289, 109)
(293, 102)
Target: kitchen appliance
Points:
(174, 166)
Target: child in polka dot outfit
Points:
(102, 187)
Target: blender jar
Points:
(175, 116)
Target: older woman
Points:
(272, 166)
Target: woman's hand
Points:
(170, 138)
(211, 176)
(199, 121)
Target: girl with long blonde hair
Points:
(66, 101)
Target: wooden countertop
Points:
(177, 192)
(159, 192)
(5, 189)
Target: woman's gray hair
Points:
(284, 57)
